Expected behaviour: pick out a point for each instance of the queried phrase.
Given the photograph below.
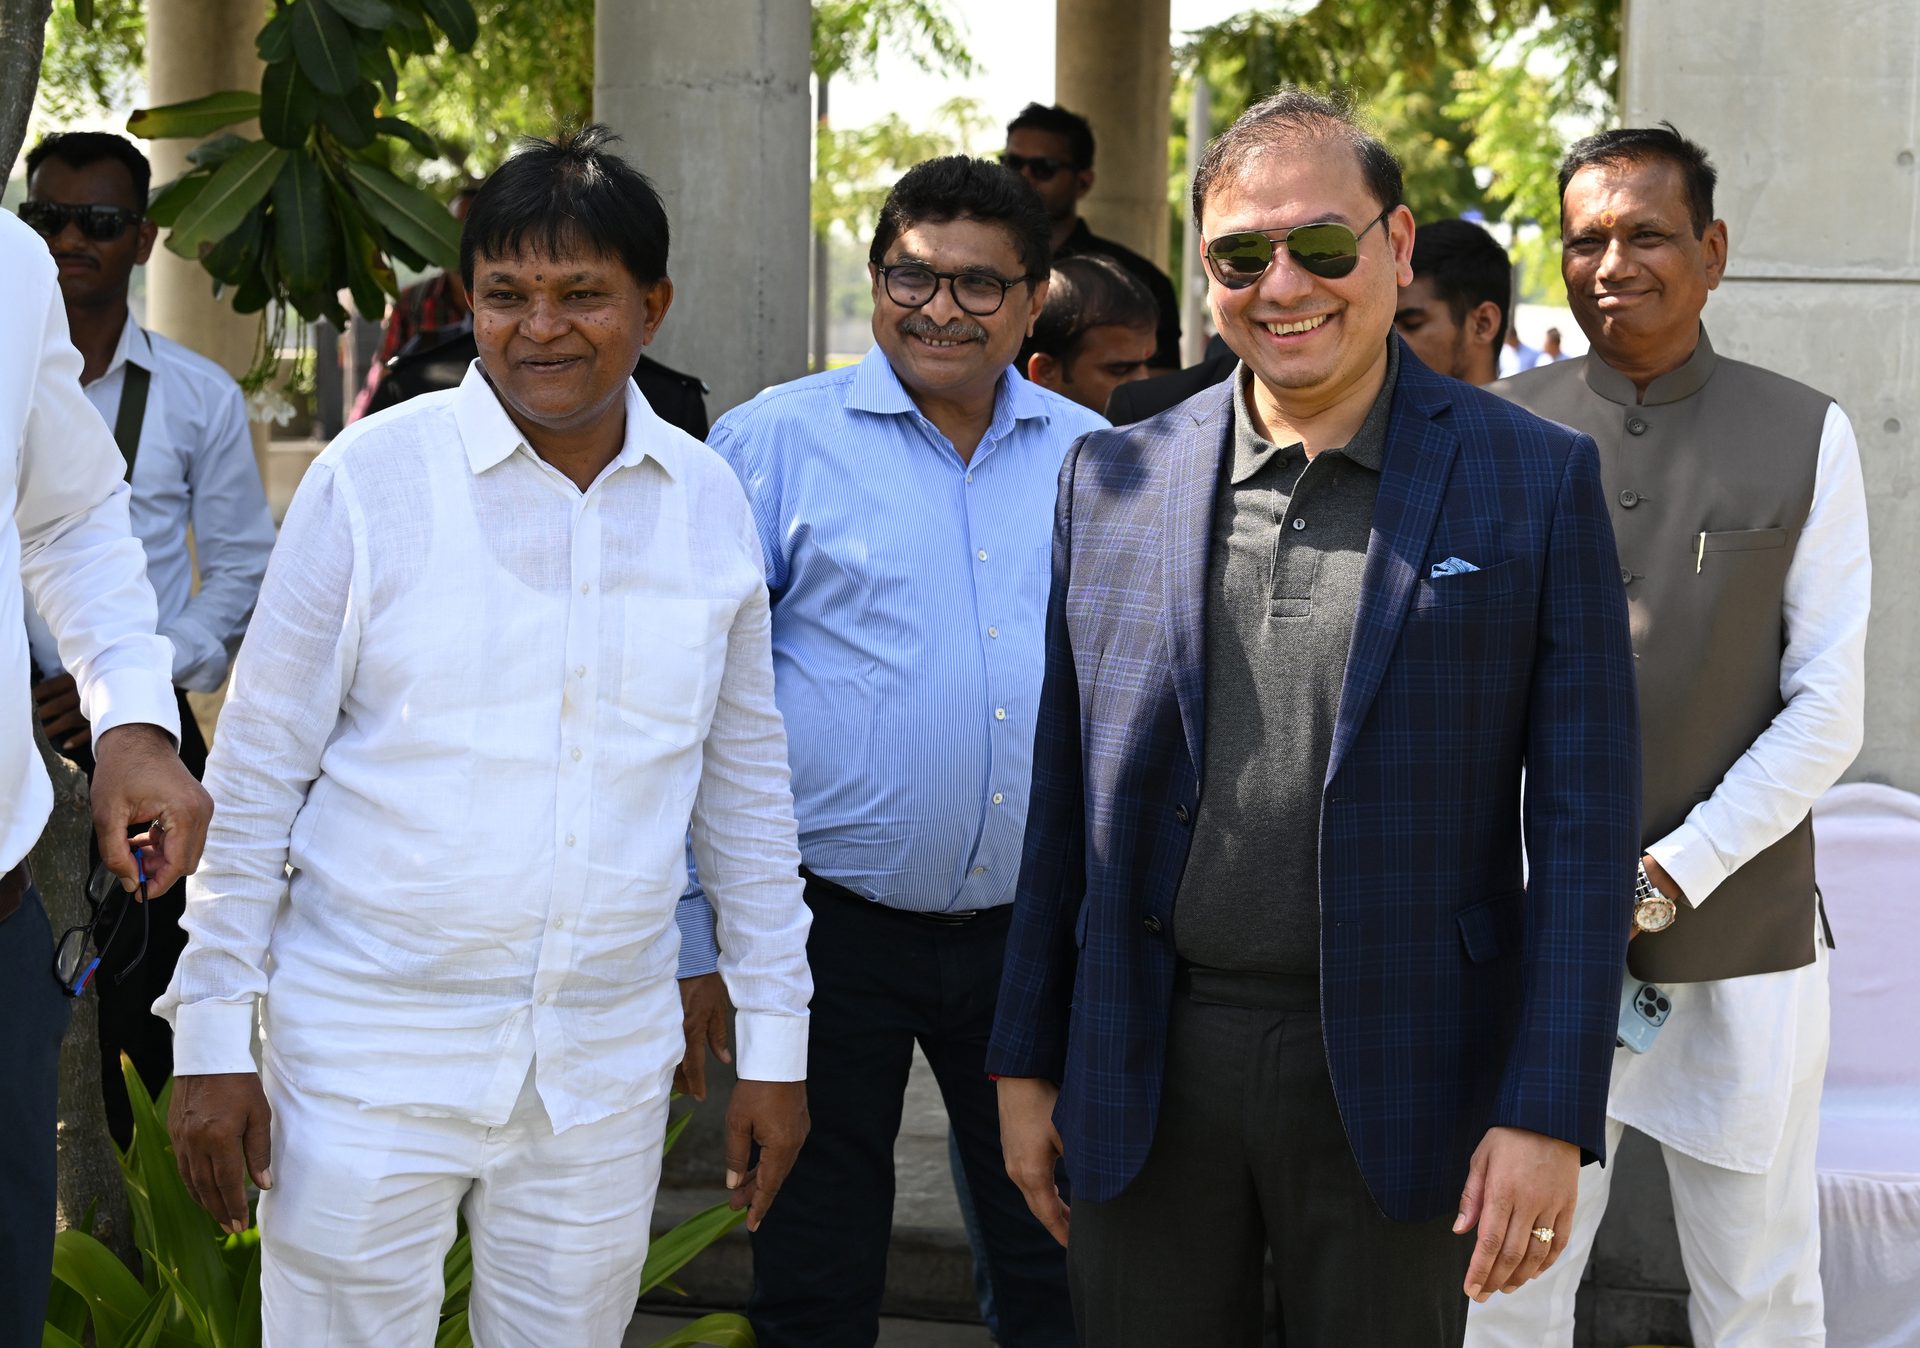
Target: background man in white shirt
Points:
(181, 423)
(63, 532)
(1738, 507)
(514, 637)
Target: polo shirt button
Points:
(1629, 498)
(1626, 576)
(1152, 924)
(1180, 813)
(1636, 426)
(1299, 524)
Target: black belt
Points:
(13, 888)
(816, 885)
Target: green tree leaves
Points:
(196, 117)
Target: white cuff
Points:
(132, 697)
(213, 1037)
(199, 660)
(771, 1047)
(1689, 857)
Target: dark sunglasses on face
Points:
(108, 905)
(1039, 167)
(102, 224)
(1327, 249)
(980, 293)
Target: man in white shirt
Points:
(181, 424)
(1738, 507)
(514, 637)
(64, 534)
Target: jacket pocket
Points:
(1491, 928)
(1742, 540)
(1468, 587)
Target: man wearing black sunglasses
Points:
(181, 425)
(1275, 981)
(1053, 150)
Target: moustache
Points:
(83, 259)
(919, 325)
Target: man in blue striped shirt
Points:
(905, 505)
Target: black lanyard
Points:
(133, 413)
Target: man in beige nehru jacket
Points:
(1741, 522)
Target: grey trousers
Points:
(1250, 1158)
(33, 1016)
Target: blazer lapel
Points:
(1413, 483)
(1191, 480)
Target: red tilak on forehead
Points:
(1607, 218)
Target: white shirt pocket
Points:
(675, 651)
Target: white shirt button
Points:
(579, 671)
(559, 924)
(999, 713)
(1299, 524)
(584, 587)
(979, 870)
(969, 477)
(545, 997)
(569, 840)
(994, 632)
(983, 554)
(999, 799)
(576, 755)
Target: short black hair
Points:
(957, 187)
(1289, 118)
(556, 195)
(1057, 121)
(1083, 293)
(79, 149)
(1468, 268)
(1649, 144)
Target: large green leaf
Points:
(113, 1296)
(413, 217)
(235, 256)
(671, 1252)
(288, 105)
(457, 19)
(217, 151)
(374, 14)
(275, 43)
(236, 188)
(427, 147)
(246, 1317)
(302, 227)
(196, 117)
(725, 1330)
(454, 1332)
(351, 118)
(674, 1129)
(164, 207)
(323, 44)
(52, 1336)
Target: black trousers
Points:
(33, 1017)
(127, 1022)
(1249, 1158)
(882, 981)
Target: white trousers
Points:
(1750, 1245)
(357, 1225)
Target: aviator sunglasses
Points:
(81, 948)
(1327, 249)
(102, 224)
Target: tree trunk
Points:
(23, 35)
(822, 282)
(90, 1178)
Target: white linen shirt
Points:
(473, 715)
(194, 468)
(64, 533)
(1717, 1081)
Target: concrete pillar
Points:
(197, 47)
(1113, 64)
(1812, 115)
(711, 98)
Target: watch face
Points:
(1655, 914)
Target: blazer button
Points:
(1180, 813)
(1629, 498)
(1636, 426)
(1152, 924)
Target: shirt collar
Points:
(490, 437)
(1670, 387)
(134, 346)
(876, 388)
(1367, 447)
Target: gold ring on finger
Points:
(1543, 1234)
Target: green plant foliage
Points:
(849, 35)
(856, 169)
(201, 1287)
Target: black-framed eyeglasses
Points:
(102, 224)
(1039, 167)
(1327, 249)
(82, 948)
(980, 293)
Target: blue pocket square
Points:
(1453, 566)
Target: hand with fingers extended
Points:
(1031, 1146)
(138, 778)
(220, 1130)
(771, 1115)
(703, 1016)
(1520, 1193)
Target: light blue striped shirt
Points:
(909, 614)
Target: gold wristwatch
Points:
(1652, 910)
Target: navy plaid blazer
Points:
(1455, 995)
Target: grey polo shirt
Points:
(1289, 545)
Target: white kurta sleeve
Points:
(1770, 787)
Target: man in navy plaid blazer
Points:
(1277, 981)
